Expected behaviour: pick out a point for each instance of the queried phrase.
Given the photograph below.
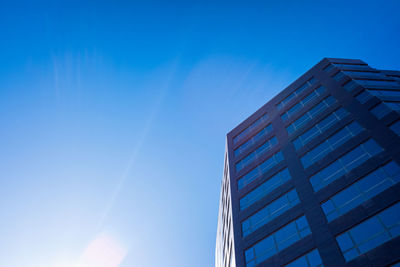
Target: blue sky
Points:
(114, 115)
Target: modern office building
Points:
(312, 178)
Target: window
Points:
(395, 127)
(328, 68)
(256, 153)
(331, 144)
(393, 105)
(277, 241)
(311, 259)
(270, 212)
(319, 128)
(384, 93)
(338, 76)
(364, 96)
(267, 129)
(272, 183)
(297, 92)
(312, 113)
(373, 84)
(246, 131)
(380, 110)
(350, 85)
(260, 170)
(364, 74)
(345, 164)
(378, 83)
(313, 95)
(362, 190)
(352, 66)
(370, 233)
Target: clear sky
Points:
(114, 115)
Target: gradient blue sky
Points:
(113, 115)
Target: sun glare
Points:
(103, 251)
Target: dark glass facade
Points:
(312, 178)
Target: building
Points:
(312, 177)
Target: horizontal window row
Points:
(265, 188)
(395, 127)
(258, 136)
(311, 259)
(350, 85)
(342, 66)
(384, 108)
(384, 93)
(260, 170)
(293, 110)
(319, 128)
(312, 113)
(297, 92)
(345, 164)
(366, 95)
(270, 212)
(366, 74)
(370, 233)
(358, 74)
(328, 68)
(267, 145)
(330, 144)
(338, 76)
(362, 190)
(277, 241)
(246, 131)
(352, 66)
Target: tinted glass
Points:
(260, 170)
(362, 190)
(265, 188)
(345, 164)
(280, 239)
(370, 233)
(269, 212)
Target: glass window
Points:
(297, 92)
(270, 212)
(328, 68)
(266, 146)
(380, 110)
(246, 131)
(352, 66)
(260, 170)
(338, 76)
(350, 85)
(257, 137)
(384, 93)
(317, 109)
(393, 105)
(366, 74)
(395, 127)
(265, 188)
(345, 164)
(311, 259)
(370, 233)
(313, 95)
(364, 96)
(362, 190)
(319, 128)
(378, 83)
(330, 144)
(280, 239)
